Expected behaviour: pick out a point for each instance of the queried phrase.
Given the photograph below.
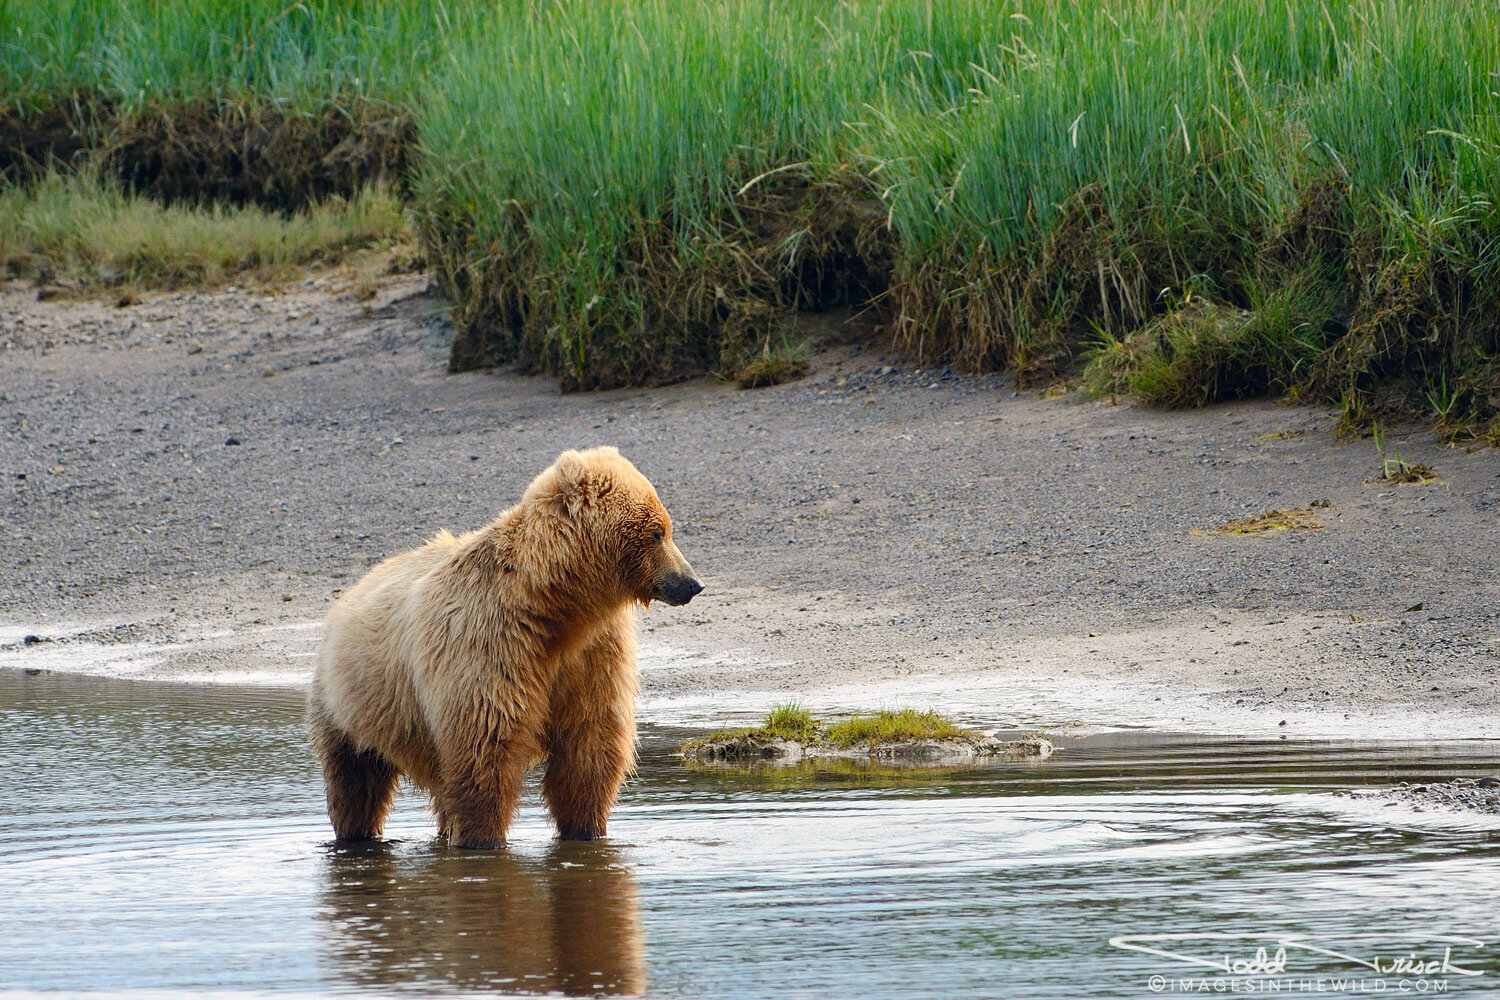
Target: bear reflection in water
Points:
(568, 922)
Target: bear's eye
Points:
(659, 534)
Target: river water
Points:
(171, 838)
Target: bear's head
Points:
(613, 527)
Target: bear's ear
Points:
(570, 469)
(571, 484)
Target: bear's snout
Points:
(679, 584)
(677, 589)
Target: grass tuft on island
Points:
(791, 732)
(791, 721)
(892, 726)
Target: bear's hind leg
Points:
(360, 785)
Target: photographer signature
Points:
(1265, 961)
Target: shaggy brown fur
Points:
(465, 662)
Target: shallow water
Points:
(172, 838)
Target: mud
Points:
(219, 152)
(33, 140)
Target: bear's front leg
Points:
(481, 785)
(591, 733)
(586, 765)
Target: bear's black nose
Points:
(678, 590)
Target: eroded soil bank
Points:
(191, 480)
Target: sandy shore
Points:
(191, 480)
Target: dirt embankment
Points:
(191, 480)
(213, 151)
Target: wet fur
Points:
(464, 663)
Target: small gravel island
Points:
(1478, 795)
(791, 734)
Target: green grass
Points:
(787, 721)
(1051, 173)
(796, 723)
(222, 100)
(129, 53)
(1191, 200)
(790, 722)
(90, 233)
(1204, 351)
(893, 725)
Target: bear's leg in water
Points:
(591, 734)
(482, 778)
(360, 784)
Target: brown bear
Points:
(465, 662)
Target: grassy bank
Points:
(1193, 201)
(1184, 202)
(81, 232)
(220, 100)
